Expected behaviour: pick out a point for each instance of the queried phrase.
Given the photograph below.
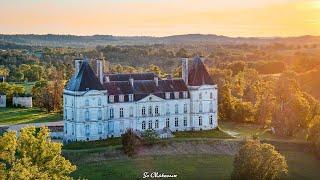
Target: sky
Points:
(259, 18)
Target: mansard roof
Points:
(85, 79)
(135, 76)
(143, 88)
(198, 74)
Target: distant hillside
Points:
(95, 40)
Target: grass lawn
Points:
(186, 167)
(10, 116)
(302, 165)
(214, 133)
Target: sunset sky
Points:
(161, 17)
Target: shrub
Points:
(150, 136)
(259, 161)
(130, 142)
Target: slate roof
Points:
(143, 88)
(198, 74)
(135, 76)
(85, 79)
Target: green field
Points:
(301, 166)
(215, 133)
(10, 116)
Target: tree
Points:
(243, 111)
(314, 135)
(259, 161)
(32, 155)
(130, 142)
(225, 107)
(182, 53)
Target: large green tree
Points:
(259, 161)
(32, 155)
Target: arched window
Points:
(185, 108)
(143, 125)
(156, 124)
(156, 110)
(87, 115)
(87, 102)
(150, 124)
(176, 108)
(200, 121)
(200, 107)
(211, 107)
(143, 111)
(99, 114)
(99, 102)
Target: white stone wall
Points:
(22, 101)
(78, 126)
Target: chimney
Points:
(185, 69)
(100, 70)
(131, 81)
(156, 80)
(77, 65)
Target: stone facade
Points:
(95, 114)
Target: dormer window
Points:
(176, 95)
(130, 97)
(185, 94)
(111, 98)
(167, 95)
(121, 98)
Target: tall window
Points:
(185, 108)
(111, 113)
(176, 122)
(100, 129)
(176, 108)
(121, 126)
(66, 114)
(87, 115)
(130, 97)
(99, 114)
(211, 107)
(143, 125)
(167, 95)
(121, 112)
(111, 98)
(150, 111)
(185, 122)
(167, 122)
(131, 111)
(87, 130)
(143, 111)
(200, 121)
(66, 128)
(87, 102)
(72, 129)
(211, 95)
(200, 95)
(210, 120)
(156, 124)
(167, 109)
(200, 107)
(65, 101)
(150, 124)
(99, 102)
(185, 94)
(156, 111)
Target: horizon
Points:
(259, 18)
